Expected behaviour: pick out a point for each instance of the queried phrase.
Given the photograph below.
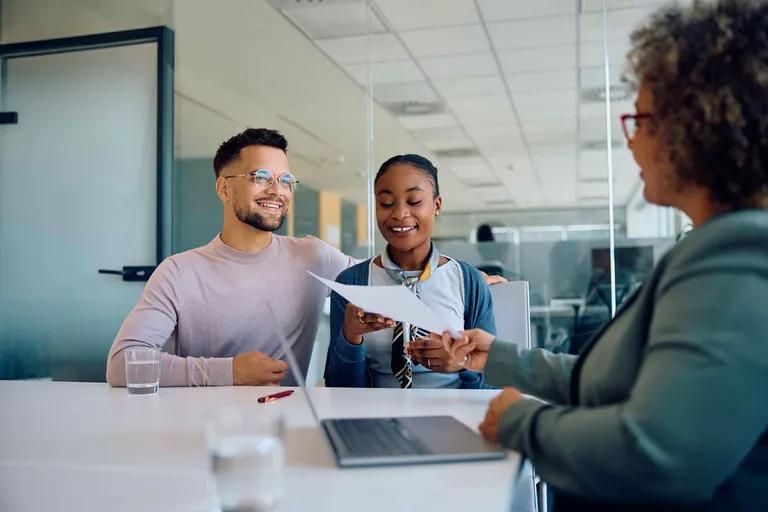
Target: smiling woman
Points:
(368, 350)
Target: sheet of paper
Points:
(395, 302)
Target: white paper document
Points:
(395, 302)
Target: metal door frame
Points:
(163, 37)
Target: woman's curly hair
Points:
(706, 67)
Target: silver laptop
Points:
(358, 442)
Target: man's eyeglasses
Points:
(631, 123)
(263, 178)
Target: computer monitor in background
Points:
(633, 265)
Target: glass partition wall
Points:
(516, 103)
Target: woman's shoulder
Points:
(468, 272)
(733, 239)
(356, 274)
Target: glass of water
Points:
(142, 370)
(245, 448)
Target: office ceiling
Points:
(507, 95)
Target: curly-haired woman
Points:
(665, 409)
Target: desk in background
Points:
(78, 446)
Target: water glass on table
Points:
(245, 449)
(142, 370)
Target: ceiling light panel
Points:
(438, 133)
(511, 35)
(446, 41)
(409, 15)
(334, 20)
(396, 71)
(354, 50)
(538, 59)
(474, 86)
(459, 66)
(499, 10)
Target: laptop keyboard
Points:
(377, 436)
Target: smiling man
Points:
(208, 306)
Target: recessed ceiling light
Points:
(456, 153)
(619, 92)
(415, 108)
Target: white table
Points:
(79, 446)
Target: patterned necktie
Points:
(401, 364)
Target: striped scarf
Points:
(401, 364)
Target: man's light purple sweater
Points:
(206, 305)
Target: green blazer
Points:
(668, 404)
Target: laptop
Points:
(361, 442)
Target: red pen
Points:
(275, 396)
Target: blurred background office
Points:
(105, 149)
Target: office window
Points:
(516, 103)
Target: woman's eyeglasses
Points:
(631, 123)
(263, 178)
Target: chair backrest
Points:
(511, 307)
(316, 370)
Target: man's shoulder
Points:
(304, 243)
(188, 257)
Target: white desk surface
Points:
(85, 446)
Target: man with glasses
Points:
(207, 306)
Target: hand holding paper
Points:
(395, 302)
(357, 323)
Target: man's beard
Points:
(258, 221)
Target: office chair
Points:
(511, 309)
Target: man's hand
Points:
(491, 280)
(257, 369)
(489, 428)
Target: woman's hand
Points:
(357, 322)
(473, 348)
(434, 352)
(489, 428)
